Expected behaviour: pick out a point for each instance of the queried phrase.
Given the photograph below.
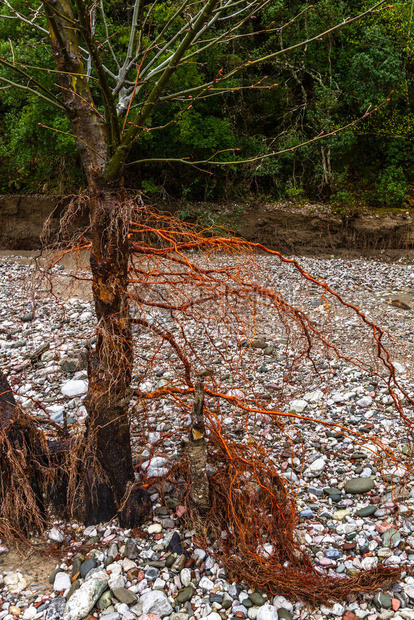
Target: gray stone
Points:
(284, 614)
(53, 575)
(75, 586)
(151, 573)
(366, 511)
(125, 596)
(56, 608)
(131, 549)
(333, 554)
(257, 599)
(105, 600)
(391, 538)
(68, 365)
(186, 593)
(87, 565)
(382, 599)
(359, 485)
(83, 600)
(29, 316)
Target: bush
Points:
(391, 188)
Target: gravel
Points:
(354, 509)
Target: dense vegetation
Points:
(320, 88)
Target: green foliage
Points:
(391, 188)
(321, 88)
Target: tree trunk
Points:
(110, 363)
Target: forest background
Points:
(320, 88)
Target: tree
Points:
(110, 91)
(110, 86)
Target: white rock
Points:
(316, 467)
(206, 584)
(83, 600)
(56, 535)
(252, 612)
(336, 610)
(213, 616)
(314, 397)
(267, 612)
(62, 582)
(153, 602)
(185, 577)
(199, 554)
(155, 528)
(159, 584)
(74, 387)
(29, 613)
(399, 368)
(298, 406)
(365, 401)
(15, 582)
(128, 564)
(156, 461)
(281, 601)
(407, 614)
(117, 581)
(266, 550)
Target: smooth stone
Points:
(74, 387)
(206, 584)
(382, 599)
(125, 596)
(366, 511)
(105, 600)
(257, 599)
(185, 577)
(391, 538)
(151, 573)
(53, 575)
(267, 612)
(76, 566)
(87, 565)
(333, 554)
(75, 586)
(61, 582)
(185, 595)
(359, 485)
(284, 614)
(155, 528)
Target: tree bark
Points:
(110, 363)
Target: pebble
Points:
(267, 612)
(336, 521)
(61, 582)
(359, 485)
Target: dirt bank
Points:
(308, 229)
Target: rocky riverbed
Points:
(355, 509)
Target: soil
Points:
(36, 567)
(307, 229)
